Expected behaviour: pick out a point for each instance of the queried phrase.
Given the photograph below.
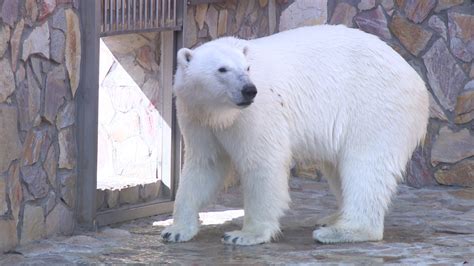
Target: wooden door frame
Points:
(87, 109)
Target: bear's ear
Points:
(245, 50)
(184, 56)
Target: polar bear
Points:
(326, 94)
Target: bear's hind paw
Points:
(333, 234)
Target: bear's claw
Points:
(166, 236)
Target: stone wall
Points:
(39, 74)
(437, 39)
(245, 18)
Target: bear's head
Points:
(214, 76)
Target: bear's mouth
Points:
(245, 104)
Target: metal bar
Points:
(163, 13)
(110, 15)
(157, 17)
(104, 15)
(152, 7)
(128, 14)
(141, 13)
(150, 14)
(123, 14)
(134, 13)
(145, 14)
(158, 29)
(169, 10)
(174, 12)
(117, 21)
(133, 212)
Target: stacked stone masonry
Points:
(435, 36)
(40, 54)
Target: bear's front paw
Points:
(178, 233)
(245, 238)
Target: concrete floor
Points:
(430, 225)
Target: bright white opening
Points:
(210, 218)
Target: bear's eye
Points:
(248, 68)
(222, 69)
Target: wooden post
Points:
(87, 100)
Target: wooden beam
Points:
(132, 212)
(87, 100)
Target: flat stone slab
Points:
(425, 226)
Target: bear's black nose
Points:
(249, 91)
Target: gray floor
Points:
(431, 225)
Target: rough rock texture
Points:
(304, 13)
(437, 24)
(436, 111)
(46, 8)
(15, 42)
(9, 12)
(36, 180)
(37, 42)
(4, 39)
(366, 4)
(374, 22)
(9, 238)
(3, 196)
(29, 100)
(417, 11)
(31, 11)
(33, 224)
(460, 174)
(413, 37)
(465, 107)
(67, 146)
(7, 80)
(67, 182)
(66, 115)
(14, 191)
(56, 90)
(445, 4)
(9, 139)
(35, 103)
(343, 14)
(73, 49)
(451, 147)
(445, 76)
(461, 34)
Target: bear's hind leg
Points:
(334, 181)
(266, 197)
(367, 188)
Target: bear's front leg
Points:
(266, 197)
(198, 185)
(204, 170)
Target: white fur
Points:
(326, 94)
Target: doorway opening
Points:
(130, 169)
